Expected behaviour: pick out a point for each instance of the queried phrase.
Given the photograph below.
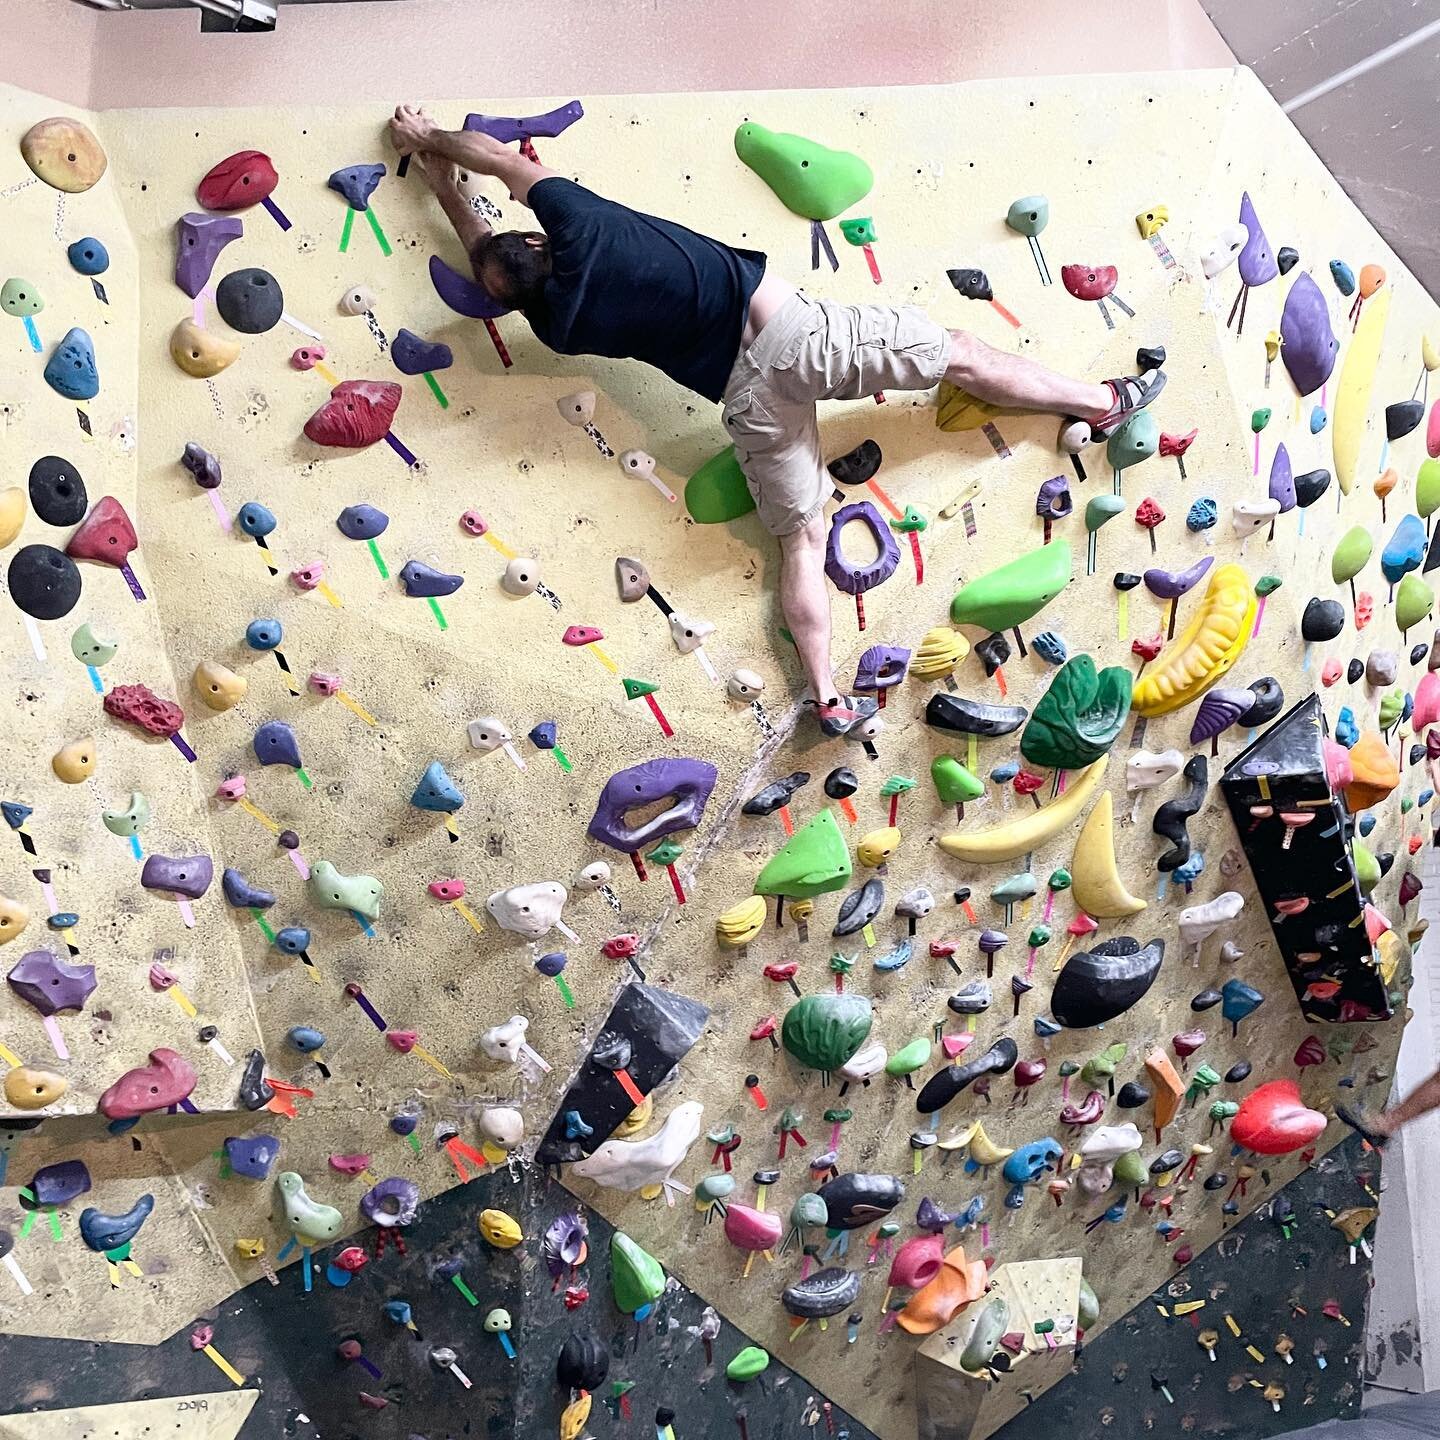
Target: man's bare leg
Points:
(1000, 378)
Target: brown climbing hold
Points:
(28, 1089)
(64, 154)
(199, 353)
(14, 917)
(1376, 774)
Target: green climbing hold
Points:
(1067, 1068)
(1260, 418)
(333, 891)
(1089, 1306)
(636, 1279)
(837, 1116)
(1351, 555)
(1039, 935)
(634, 689)
(717, 491)
(1014, 889)
(1391, 708)
(1406, 805)
(1029, 215)
(1136, 440)
(954, 784)
(859, 231)
(1130, 1170)
(823, 1031)
(911, 522)
(1101, 1068)
(667, 852)
(1427, 488)
(909, 1058)
(20, 298)
(1367, 868)
(1100, 509)
(841, 964)
(1414, 600)
(813, 861)
(807, 178)
(1016, 591)
(1267, 585)
(1059, 880)
(896, 785)
(749, 1363)
(1079, 717)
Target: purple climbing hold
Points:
(881, 666)
(1282, 479)
(252, 1155)
(357, 184)
(844, 574)
(414, 355)
(507, 129)
(60, 1183)
(1172, 584)
(464, 295)
(202, 465)
(1257, 261)
(686, 783)
(241, 894)
(275, 744)
(421, 581)
(199, 239)
(362, 522)
(49, 984)
(185, 875)
(1308, 346)
(391, 1202)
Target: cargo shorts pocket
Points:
(749, 424)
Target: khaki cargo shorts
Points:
(817, 350)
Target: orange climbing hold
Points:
(935, 1305)
(1376, 773)
(1167, 1087)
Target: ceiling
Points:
(1359, 80)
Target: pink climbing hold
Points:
(105, 534)
(447, 889)
(581, 635)
(166, 1080)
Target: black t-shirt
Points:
(634, 287)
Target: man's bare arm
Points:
(443, 180)
(412, 131)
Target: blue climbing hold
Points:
(1237, 1001)
(1004, 772)
(575, 1126)
(63, 920)
(109, 1232)
(275, 744)
(422, 581)
(264, 634)
(1050, 647)
(1365, 824)
(1191, 870)
(293, 940)
(1347, 732)
(305, 1038)
(1405, 550)
(252, 1156)
(552, 964)
(357, 184)
(1318, 419)
(1201, 515)
(398, 1310)
(1045, 1027)
(897, 958)
(255, 519)
(1424, 798)
(15, 813)
(240, 893)
(362, 522)
(1343, 276)
(71, 370)
(437, 791)
(414, 355)
(542, 737)
(404, 1124)
(89, 256)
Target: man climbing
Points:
(1378, 1128)
(607, 280)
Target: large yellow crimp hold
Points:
(1209, 645)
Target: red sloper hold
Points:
(105, 534)
(139, 705)
(1174, 446)
(1273, 1120)
(357, 414)
(244, 179)
(165, 1081)
(1089, 282)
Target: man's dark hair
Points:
(512, 267)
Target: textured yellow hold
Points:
(941, 650)
(218, 686)
(1352, 394)
(878, 846)
(1149, 221)
(75, 762)
(64, 153)
(959, 410)
(199, 353)
(1209, 645)
(14, 917)
(248, 1248)
(28, 1089)
(741, 923)
(1095, 880)
(12, 514)
(1031, 830)
(500, 1230)
(573, 1418)
(637, 1119)
(1390, 950)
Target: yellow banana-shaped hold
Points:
(1094, 880)
(741, 923)
(984, 1151)
(12, 514)
(941, 650)
(1352, 394)
(1208, 646)
(961, 1138)
(1031, 830)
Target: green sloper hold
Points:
(1414, 600)
(1136, 440)
(1367, 868)
(1101, 1068)
(1427, 488)
(1089, 1306)
(1267, 585)
(1130, 1170)
(908, 1059)
(1391, 708)
(807, 178)
(813, 861)
(912, 521)
(823, 1031)
(717, 492)
(1079, 717)
(749, 1363)
(859, 231)
(1028, 215)
(333, 891)
(1351, 554)
(954, 784)
(1101, 509)
(1014, 592)
(636, 1279)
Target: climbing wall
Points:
(401, 997)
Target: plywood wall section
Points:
(948, 161)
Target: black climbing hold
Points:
(856, 466)
(250, 301)
(1310, 486)
(1416, 752)
(973, 717)
(971, 999)
(1402, 417)
(1173, 816)
(972, 284)
(255, 1092)
(962, 894)
(1268, 703)
(860, 907)
(825, 1293)
(994, 651)
(1206, 1000)
(1287, 257)
(841, 783)
(1124, 580)
(611, 1051)
(775, 794)
(1216, 1182)
(1354, 670)
(1418, 652)
(57, 493)
(1322, 620)
(1149, 357)
(1239, 1071)
(941, 1088)
(43, 582)
(856, 1199)
(1385, 859)
(583, 1362)
(1097, 985)
(1132, 1095)
(1166, 1161)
